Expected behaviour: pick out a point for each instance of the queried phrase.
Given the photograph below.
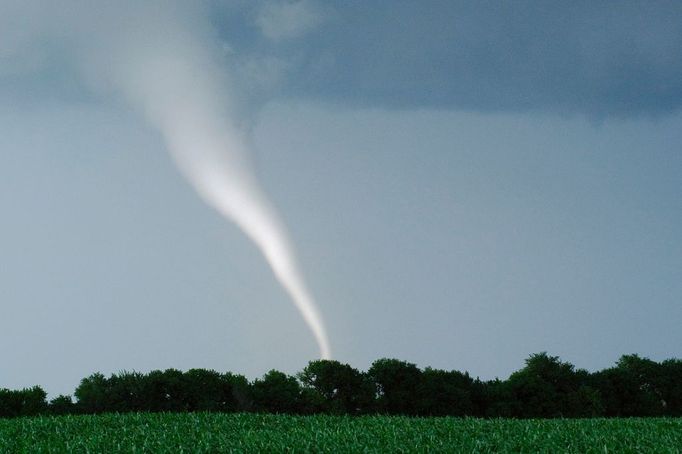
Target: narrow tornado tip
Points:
(325, 352)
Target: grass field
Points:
(210, 432)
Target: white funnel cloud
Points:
(176, 79)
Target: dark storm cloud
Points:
(599, 58)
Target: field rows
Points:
(211, 432)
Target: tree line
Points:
(545, 388)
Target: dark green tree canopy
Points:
(340, 388)
(545, 387)
(396, 383)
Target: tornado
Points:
(180, 84)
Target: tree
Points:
(500, 400)
(547, 388)
(166, 391)
(445, 393)
(632, 388)
(25, 402)
(277, 392)
(10, 404)
(207, 391)
(125, 392)
(396, 383)
(240, 389)
(341, 388)
(671, 386)
(33, 401)
(91, 394)
(61, 405)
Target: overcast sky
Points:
(464, 183)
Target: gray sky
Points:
(464, 184)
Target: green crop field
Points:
(211, 432)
